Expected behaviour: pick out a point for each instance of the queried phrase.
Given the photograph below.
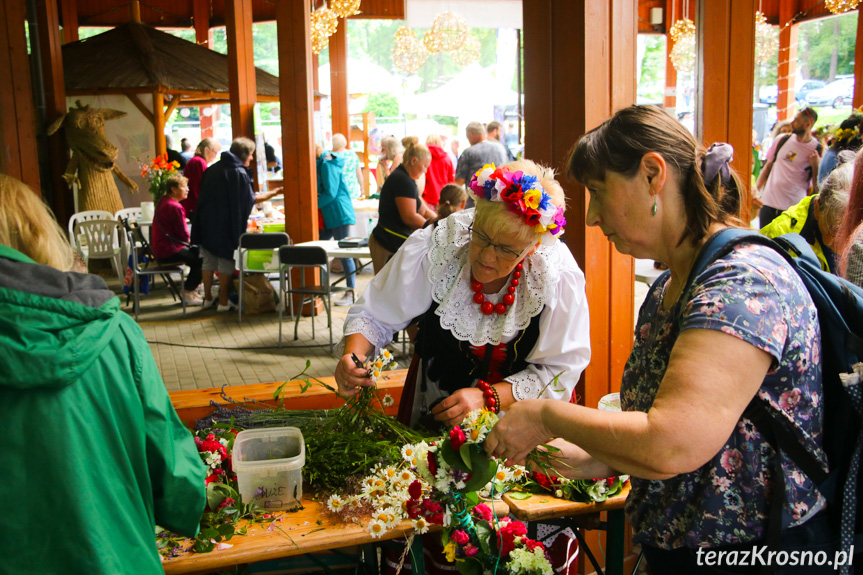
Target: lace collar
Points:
(450, 277)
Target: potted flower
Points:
(157, 173)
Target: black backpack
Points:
(840, 315)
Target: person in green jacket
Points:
(817, 217)
(94, 455)
(337, 211)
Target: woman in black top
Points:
(401, 209)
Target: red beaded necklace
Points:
(489, 308)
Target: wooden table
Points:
(563, 513)
(309, 530)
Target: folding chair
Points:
(133, 214)
(100, 239)
(136, 234)
(264, 242)
(151, 270)
(305, 257)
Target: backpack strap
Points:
(781, 143)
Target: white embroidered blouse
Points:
(433, 266)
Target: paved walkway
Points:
(210, 349)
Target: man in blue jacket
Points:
(222, 214)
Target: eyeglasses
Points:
(500, 251)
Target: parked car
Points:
(769, 94)
(836, 94)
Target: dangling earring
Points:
(653, 210)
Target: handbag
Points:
(194, 249)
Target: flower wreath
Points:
(523, 195)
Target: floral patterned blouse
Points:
(754, 295)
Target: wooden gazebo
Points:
(135, 58)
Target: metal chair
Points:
(151, 270)
(142, 246)
(86, 217)
(263, 242)
(305, 257)
(100, 239)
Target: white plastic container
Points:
(269, 466)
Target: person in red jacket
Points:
(205, 154)
(440, 172)
(170, 235)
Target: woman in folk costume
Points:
(500, 302)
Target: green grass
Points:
(832, 117)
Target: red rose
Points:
(543, 480)
(432, 506)
(531, 544)
(211, 478)
(435, 518)
(432, 463)
(415, 489)
(482, 511)
(414, 508)
(460, 537)
(456, 438)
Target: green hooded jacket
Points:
(93, 451)
(800, 219)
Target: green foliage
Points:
(446, 120)
(651, 83)
(383, 105)
(823, 40)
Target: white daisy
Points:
(388, 400)
(335, 503)
(377, 528)
(420, 525)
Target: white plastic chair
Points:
(131, 214)
(86, 217)
(100, 239)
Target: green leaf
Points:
(225, 529)
(468, 567)
(279, 389)
(202, 546)
(483, 471)
(305, 386)
(452, 457)
(520, 495)
(465, 452)
(472, 498)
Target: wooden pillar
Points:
(858, 65)
(241, 67)
(69, 11)
(295, 96)
(726, 72)
(55, 106)
(339, 96)
(18, 151)
(670, 100)
(580, 67)
(203, 36)
(159, 123)
(785, 102)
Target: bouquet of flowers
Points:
(157, 173)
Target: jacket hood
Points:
(437, 152)
(53, 324)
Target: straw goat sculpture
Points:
(94, 158)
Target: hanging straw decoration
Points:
(467, 53)
(409, 54)
(345, 8)
(324, 24)
(841, 6)
(448, 33)
(766, 39)
(683, 54)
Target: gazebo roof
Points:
(136, 57)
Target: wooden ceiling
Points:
(179, 13)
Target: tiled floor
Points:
(211, 349)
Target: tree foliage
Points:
(819, 38)
(383, 105)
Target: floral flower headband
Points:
(523, 195)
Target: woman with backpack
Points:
(702, 474)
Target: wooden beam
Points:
(339, 97)
(172, 105)
(858, 65)
(670, 97)
(298, 140)
(201, 17)
(241, 67)
(159, 123)
(141, 107)
(18, 149)
(726, 50)
(787, 65)
(51, 54)
(134, 10)
(69, 12)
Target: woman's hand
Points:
(518, 432)
(573, 462)
(452, 410)
(350, 378)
